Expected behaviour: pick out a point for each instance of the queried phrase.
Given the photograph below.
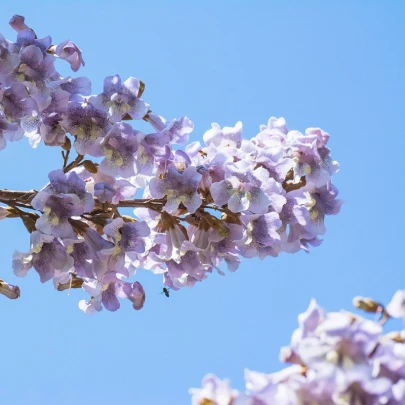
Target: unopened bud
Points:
(9, 212)
(10, 291)
(79, 226)
(395, 336)
(29, 221)
(127, 218)
(141, 88)
(206, 401)
(231, 219)
(126, 117)
(216, 224)
(90, 166)
(67, 145)
(289, 185)
(74, 282)
(367, 304)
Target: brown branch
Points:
(142, 203)
(73, 164)
(13, 203)
(24, 196)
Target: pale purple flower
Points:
(104, 192)
(51, 130)
(76, 85)
(8, 61)
(187, 271)
(69, 51)
(227, 137)
(46, 256)
(325, 203)
(109, 297)
(119, 147)
(269, 149)
(35, 66)
(309, 320)
(178, 188)
(57, 209)
(209, 162)
(47, 124)
(277, 124)
(178, 130)
(261, 234)
(312, 156)
(390, 359)
(92, 306)
(90, 261)
(396, 307)
(9, 131)
(120, 99)
(124, 189)
(128, 237)
(27, 37)
(89, 125)
(16, 103)
(246, 189)
(213, 392)
(225, 249)
(150, 148)
(65, 197)
(105, 292)
(17, 22)
(135, 293)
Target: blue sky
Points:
(337, 65)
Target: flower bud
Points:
(18, 23)
(367, 304)
(10, 291)
(90, 166)
(74, 282)
(67, 144)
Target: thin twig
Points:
(73, 164)
(65, 156)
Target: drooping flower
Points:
(135, 293)
(262, 236)
(46, 256)
(128, 237)
(70, 52)
(9, 131)
(66, 196)
(89, 125)
(150, 148)
(17, 22)
(17, 104)
(119, 147)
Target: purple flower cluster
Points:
(203, 205)
(336, 358)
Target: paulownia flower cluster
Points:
(201, 206)
(336, 358)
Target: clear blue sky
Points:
(337, 65)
